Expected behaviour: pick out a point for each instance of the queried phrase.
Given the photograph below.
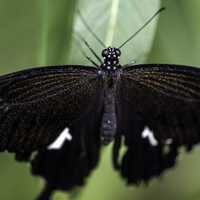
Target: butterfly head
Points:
(111, 58)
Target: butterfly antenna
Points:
(89, 29)
(89, 47)
(84, 54)
(140, 29)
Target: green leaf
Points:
(113, 22)
(56, 31)
(34, 33)
(177, 39)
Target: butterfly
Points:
(147, 107)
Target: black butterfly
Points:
(99, 105)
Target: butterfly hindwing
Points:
(38, 104)
(67, 167)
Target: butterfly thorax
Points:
(110, 68)
(111, 59)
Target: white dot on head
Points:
(99, 72)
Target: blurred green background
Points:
(40, 32)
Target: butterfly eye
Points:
(118, 52)
(105, 53)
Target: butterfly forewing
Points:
(166, 98)
(37, 104)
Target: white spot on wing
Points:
(58, 143)
(147, 133)
(169, 141)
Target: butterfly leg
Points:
(83, 152)
(116, 151)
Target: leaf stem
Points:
(112, 22)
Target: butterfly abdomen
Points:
(109, 121)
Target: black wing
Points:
(68, 167)
(36, 105)
(166, 99)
